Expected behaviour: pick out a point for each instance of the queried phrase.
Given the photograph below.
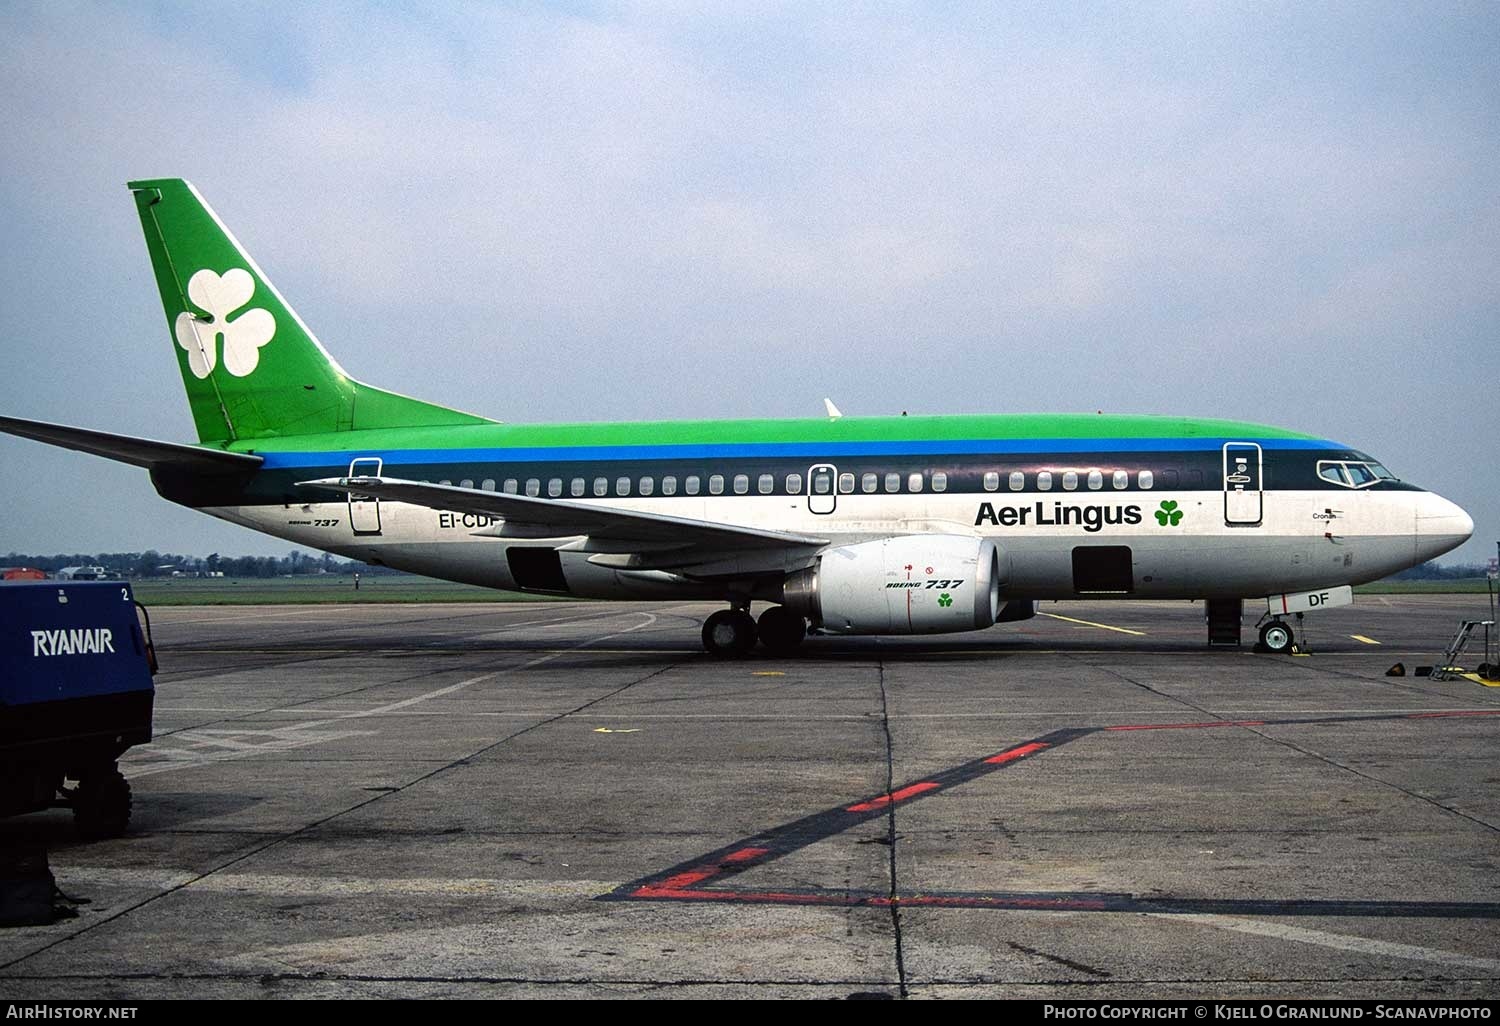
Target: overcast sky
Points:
(1280, 213)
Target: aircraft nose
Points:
(1441, 525)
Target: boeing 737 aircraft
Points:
(849, 525)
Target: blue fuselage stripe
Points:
(830, 451)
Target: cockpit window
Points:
(1352, 473)
(1333, 472)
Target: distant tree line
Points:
(1432, 570)
(136, 565)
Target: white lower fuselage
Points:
(1303, 540)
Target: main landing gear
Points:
(731, 633)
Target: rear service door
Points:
(1242, 484)
(364, 510)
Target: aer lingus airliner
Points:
(847, 525)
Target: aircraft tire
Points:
(729, 634)
(1276, 637)
(781, 631)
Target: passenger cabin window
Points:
(741, 484)
(692, 484)
(914, 482)
(669, 485)
(794, 484)
(1145, 479)
(765, 483)
(1070, 480)
(939, 481)
(1120, 479)
(554, 487)
(488, 484)
(533, 486)
(1017, 481)
(577, 487)
(846, 484)
(446, 482)
(716, 484)
(467, 482)
(622, 486)
(1096, 480)
(1044, 481)
(893, 482)
(648, 485)
(992, 480)
(509, 487)
(868, 483)
(601, 486)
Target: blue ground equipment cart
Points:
(75, 692)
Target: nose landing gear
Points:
(1276, 636)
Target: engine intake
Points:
(911, 584)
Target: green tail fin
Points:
(251, 367)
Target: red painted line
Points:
(926, 901)
(938, 901)
(1016, 753)
(692, 876)
(745, 855)
(1441, 715)
(1190, 726)
(895, 796)
(674, 885)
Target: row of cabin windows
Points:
(765, 484)
(1044, 480)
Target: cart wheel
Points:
(101, 803)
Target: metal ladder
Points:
(1449, 666)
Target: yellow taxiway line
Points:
(1101, 626)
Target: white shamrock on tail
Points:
(243, 337)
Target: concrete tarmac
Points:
(572, 799)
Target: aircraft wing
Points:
(140, 452)
(669, 541)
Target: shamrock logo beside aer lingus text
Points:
(1169, 513)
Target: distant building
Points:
(82, 573)
(23, 573)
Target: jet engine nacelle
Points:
(913, 584)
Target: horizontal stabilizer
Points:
(559, 518)
(140, 452)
